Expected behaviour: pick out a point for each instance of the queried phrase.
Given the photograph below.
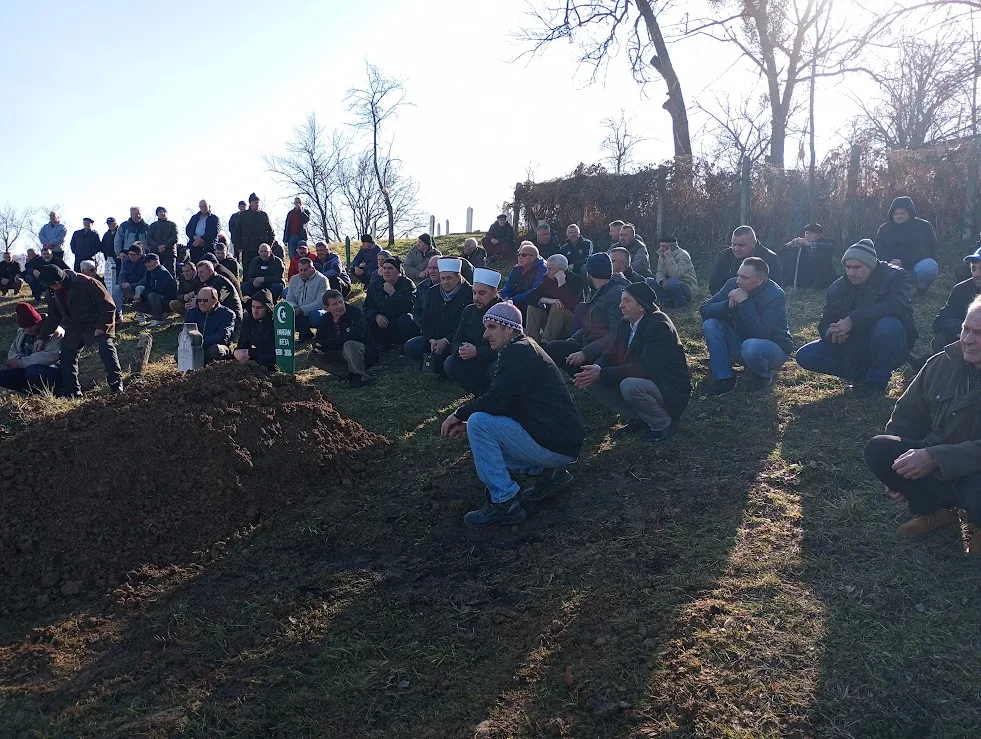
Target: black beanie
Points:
(51, 274)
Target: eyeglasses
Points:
(203, 300)
(526, 255)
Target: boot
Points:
(547, 484)
(633, 426)
(758, 383)
(974, 541)
(721, 387)
(931, 521)
(496, 514)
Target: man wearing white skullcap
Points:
(471, 362)
(444, 303)
(526, 421)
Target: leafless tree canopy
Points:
(372, 106)
(602, 28)
(311, 168)
(620, 142)
(925, 94)
(364, 203)
(737, 130)
(14, 222)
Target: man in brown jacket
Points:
(83, 307)
(930, 456)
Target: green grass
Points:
(744, 579)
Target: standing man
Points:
(930, 455)
(252, 227)
(500, 240)
(526, 421)
(742, 245)
(294, 230)
(747, 321)
(84, 309)
(162, 240)
(53, 234)
(109, 240)
(237, 252)
(202, 231)
(134, 229)
(345, 346)
(471, 360)
(85, 243)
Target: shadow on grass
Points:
(899, 654)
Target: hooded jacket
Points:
(259, 337)
(909, 242)
(884, 293)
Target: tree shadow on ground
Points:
(916, 673)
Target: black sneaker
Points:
(656, 437)
(758, 383)
(633, 426)
(507, 513)
(549, 483)
(359, 381)
(721, 387)
(871, 390)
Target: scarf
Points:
(448, 296)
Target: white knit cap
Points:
(448, 264)
(487, 277)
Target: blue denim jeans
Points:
(761, 356)
(864, 356)
(925, 273)
(291, 244)
(672, 294)
(499, 444)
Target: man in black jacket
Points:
(471, 363)
(909, 243)
(232, 219)
(500, 240)
(258, 338)
(526, 421)
(643, 375)
(162, 240)
(345, 345)
(11, 279)
(808, 260)
(387, 301)
(85, 243)
(743, 245)
(226, 290)
(576, 249)
(445, 302)
(252, 227)
(947, 325)
(265, 273)
(867, 326)
(202, 230)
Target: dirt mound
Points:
(163, 474)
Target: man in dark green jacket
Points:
(930, 455)
(643, 374)
(162, 240)
(526, 421)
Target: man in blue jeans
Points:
(867, 326)
(526, 422)
(746, 321)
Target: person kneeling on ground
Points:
(867, 326)
(82, 307)
(363, 265)
(526, 421)
(131, 271)
(257, 341)
(471, 363)
(675, 281)
(215, 322)
(345, 346)
(643, 375)
(155, 291)
(947, 325)
(598, 318)
(306, 295)
(10, 275)
(388, 300)
(551, 305)
(930, 455)
(444, 307)
(32, 365)
(746, 321)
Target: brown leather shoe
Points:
(974, 542)
(936, 520)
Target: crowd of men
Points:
(567, 309)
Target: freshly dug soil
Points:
(164, 475)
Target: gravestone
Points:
(469, 220)
(285, 324)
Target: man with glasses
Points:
(524, 278)
(215, 322)
(228, 295)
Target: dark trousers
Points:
(216, 352)
(473, 375)
(417, 347)
(157, 304)
(502, 250)
(869, 356)
(168, 259)
(34, 378)
(559, 350)
(928, 494)
(71, 347)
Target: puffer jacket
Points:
(884, 293)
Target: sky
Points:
(139, 104)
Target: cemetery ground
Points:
(743, 579)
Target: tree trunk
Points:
(744, 190)
(851, 197)
(811, 170)
(381, 184)
(675, 104)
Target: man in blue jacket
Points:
(215, 322)
(947, 325)
(746, 321)
(365, 262)
(202, 230)
(524, 278)
(131, 271)
(157, 288)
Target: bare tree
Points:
(598, 26)
(619, 142)
(925, 94)
(311, 168)
(372, 106)
(365, 202)
(13, 222)
(737, 131)
(789, 42)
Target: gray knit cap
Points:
(507, 314)
(863, 251)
